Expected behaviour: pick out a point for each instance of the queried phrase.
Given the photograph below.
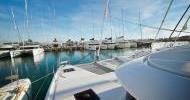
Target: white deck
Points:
(98, 76)
(65, 85)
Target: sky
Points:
(44, 20)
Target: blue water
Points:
(39, 66)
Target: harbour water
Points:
(41, 65)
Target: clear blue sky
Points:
(74, 19)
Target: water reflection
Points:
(38, 58)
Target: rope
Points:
(164, 18)
(179, 21)
(19, 89)
(42, 77)
(182, 29)
(39, 89)
(148, 26)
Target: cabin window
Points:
(68, 70)
(86, 95)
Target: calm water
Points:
(36, 67)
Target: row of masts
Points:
(106, 18)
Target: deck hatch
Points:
(68, 70)
(86, 95)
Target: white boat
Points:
(32, 50)
(122, 43)
(5, 50)
(109, 42)
(15, 53)
(81, 43)
(163, 75)
(92, 44)
(17, 90)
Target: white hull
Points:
(104, 47)
(123, 45)
(4, 54)
(92, 48)
(15, 53)
(111, 46)
(33, 52)
(133, 44)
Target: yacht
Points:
(109, 42)
(92, 44)
(81, 43)
(70, 44)
(56, 46)
(122, 43)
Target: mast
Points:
(123, 26)
(102, 28)
(92, 25)
(26, 15)
(140, 24)
(110, 20)
(16, 26)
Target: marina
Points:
(94, 50)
